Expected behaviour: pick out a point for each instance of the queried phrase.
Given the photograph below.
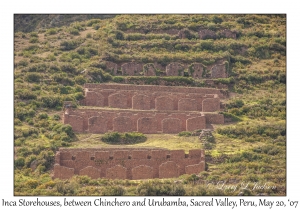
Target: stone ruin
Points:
(144, 108)
(149, 70)
(175, 69)
(205, 133)
(207, 34)
(195, 70)
(219, 71)
(127, 163)
(203, 33)
(226, 33)
(131, 68)
(148, 109)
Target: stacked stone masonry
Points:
(203, 33)
(145, 109)
(195, 70)
(104, 120)
(127, 163)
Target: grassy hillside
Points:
(52, 62)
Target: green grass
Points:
(167, 141)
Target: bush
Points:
(51, 31)
(125, 138)
(66, 67)
(31, 183)
(23, 63)
(113, 137)
(119, 35)
(80, 80)
(33, 77)
(51, 101)
(43, 116)
(69, 45)
(156, 188)
(113, 191)
(235, 104)
(26, 94)
(56, 117)
(185, 133)
(19, 162)
(33, 40)
(118, 79)
(92, 21)
(74, 31)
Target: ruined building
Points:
(142, 108)
(146, 109)
(127, 163)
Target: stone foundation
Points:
(127, 163)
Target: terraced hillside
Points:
(243, 55)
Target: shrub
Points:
(88, 35)
(51, 101)
(156, 188)
(185, 133)
(125, 138)
(56, 117)
(119, 35)
(80, 80)
(26, 94)
(66, 67)
(118, 79)
(113, 191)
(43, 116)
(31, 183)
(113, 137)
(79, 96)
(33, 77)
(51, 31)
(69, 45)
(63, 79)
(19, 162)
(67, 129)
(33, 40)
(235, 104)
(23, 63)
(73, 31)
(92, 21)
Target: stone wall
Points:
(226, 33)
(145, 97)
(214, 118)
(149, 69)
(146, 109)
(113, 67)
(219, 71)
(127, 163)
(175, 69)
(195, 70)
(132, 68)
(211, 105)
(151, 88)
(152, 121)
(207, 34)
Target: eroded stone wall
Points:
(175, 69)
(146, 109)
(132, 68)
(207, 34)
(127, 163)
(152, 121)
(146, 97)
(219, 71)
